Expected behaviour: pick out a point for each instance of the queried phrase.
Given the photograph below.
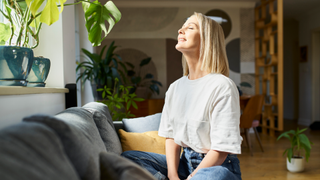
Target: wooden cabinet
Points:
(148, 107)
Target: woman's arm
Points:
(213, 158)
(173, 157)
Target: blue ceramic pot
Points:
(39, 72)
(15, 65)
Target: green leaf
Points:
(130, 64)
(5, 33)
(123, 66)
(289, 154)
(114, 11)
(138, 99)
(101, 53)
(134, 105)
(34, 5)
(115, 63)
(245, 84)
(148, 76)
(95, 16)
(286, 134)
(36, 22)
(154, 88)
(118, 106)
(301, 130)
(145, 61)
(135, 80)
(23, 5)
(50, 13)
(156, 82)
(128, 105)
(304, 140)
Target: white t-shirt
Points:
(203, 114)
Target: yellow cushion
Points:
(147, 141)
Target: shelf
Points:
(270, 105)
(20, 90)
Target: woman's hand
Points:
(213, 158)
(175, 178)
(173, 157)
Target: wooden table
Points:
(148, 107)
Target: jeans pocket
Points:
(228, 164)
(160, 176)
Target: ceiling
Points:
(291, 8)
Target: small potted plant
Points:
(299, 143)
(141, 84)
(24, 21)
(119, 100)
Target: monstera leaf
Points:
(96, 15)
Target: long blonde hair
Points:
(212, 47)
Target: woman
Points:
(201, 111)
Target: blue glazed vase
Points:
(39, 72)
(15, 65)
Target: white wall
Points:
(169, 31)
(85, 89)
(307, 23)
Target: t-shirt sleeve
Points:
(165, 128)
(224, 124)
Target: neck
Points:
(194, 64)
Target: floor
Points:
(270, 164)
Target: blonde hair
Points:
(212, 47)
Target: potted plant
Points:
(299, 143)
(141, 84)
(119, 100)
(25, 18)
(101, 71)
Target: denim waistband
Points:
(188, 149)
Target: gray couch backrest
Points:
(77, 137)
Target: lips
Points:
(181, 39)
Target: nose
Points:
(180, 31)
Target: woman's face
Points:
(189, 36)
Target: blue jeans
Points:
(156, 164)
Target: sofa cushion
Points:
(115, 167)
(80, 138)
(148, 142)
(33, 151)
(142, 124)
(104, 123)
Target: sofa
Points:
(77, 143)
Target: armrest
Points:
(118, 125)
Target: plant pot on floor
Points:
(15, 65)
(297, 164)
(39, 72)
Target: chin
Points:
(178, 48)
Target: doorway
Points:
(316, 75)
